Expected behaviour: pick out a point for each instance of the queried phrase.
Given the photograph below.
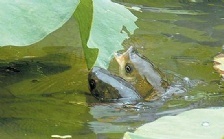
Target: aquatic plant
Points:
(103, 25)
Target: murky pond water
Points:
(44, 91)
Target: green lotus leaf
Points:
(193, 124)
(111, 25)
(84, 20)
(25, 22)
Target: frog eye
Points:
(92, 84)
(128, 68)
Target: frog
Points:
(142, 73)
(108, 87)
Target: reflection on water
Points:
(12, 72)
(43, 87)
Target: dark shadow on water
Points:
(6, 120)
(69, 94)
(18, 70)
(29, 68)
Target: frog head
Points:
(141, 72)
(127, 69)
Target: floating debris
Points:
(219, 64)
(61, 137)
(205, 124)
(135, 8)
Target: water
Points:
(44, 88)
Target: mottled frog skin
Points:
(142, 73)
(108, 87)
